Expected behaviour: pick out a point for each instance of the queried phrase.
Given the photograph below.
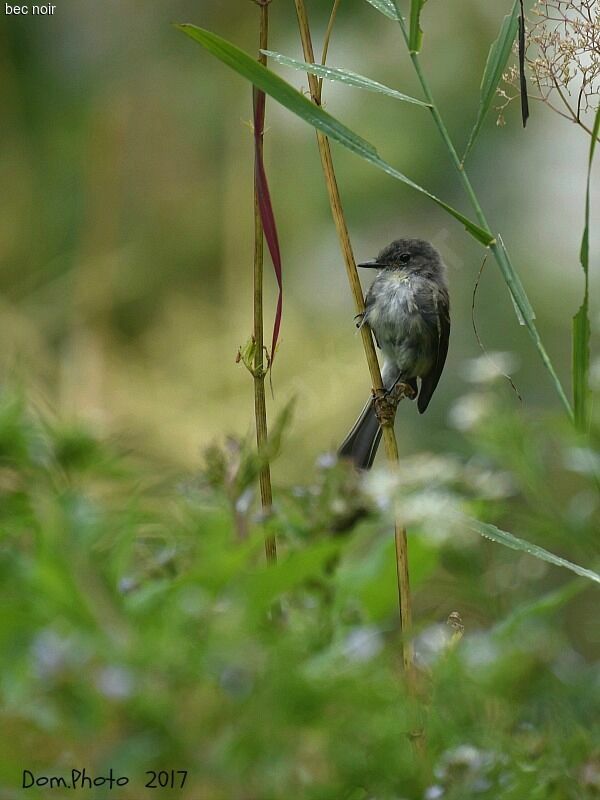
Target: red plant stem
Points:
(260, 407)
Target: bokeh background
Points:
(126, 221)
(141, 627)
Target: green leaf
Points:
(343, 76)
(508, 540)
(495, 65)
(581, 364)
(387, 7)
(523, 309)
(581, 320)
(416, 34)
(295, 101)
(526, 314)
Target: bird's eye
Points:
(405, 258)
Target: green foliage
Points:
(142, 630)
(416, 34)
(271, 84)
(297, 103)
(508, 540)
(344, 76)
(581, 320)
(524, 311)
(495, 65)
(387, 7)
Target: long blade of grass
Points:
(523, 309)
(386, 7)
(494, 67)
(300, 105)
(345, 76)
(489, 531)
(526, 315)
(416, 34)
(581, 320)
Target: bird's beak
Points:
(372, 264)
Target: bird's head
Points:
(408, 255)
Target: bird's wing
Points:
(439, 320)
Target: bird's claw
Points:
(386, 402)
(385, 409)
(401, 390)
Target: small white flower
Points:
(431, 643)
(488, 483)
(478, 650)
(326, 460)
(381, 485)
(583, 460)
(437, 512)
(434, 792)
(489, 367)
(469, 410)
(428, 468)
(244, 501)
(363, 644)
(115, 682)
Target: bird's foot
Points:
(386, 402)
(385, 408)
(359, 319)
(401, 390)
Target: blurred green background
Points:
(140, 626)
(126, 220)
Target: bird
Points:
(408, 310)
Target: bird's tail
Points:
(360, 446)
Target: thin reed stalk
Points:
(389, 437)
(258, 369)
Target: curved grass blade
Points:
(489, 531)
(345, 76)
(523, 309)
(526, 315)
(415, 36)
(581, 320)
(267, 215)
(496, 62)
(386, 7)
(300, 105)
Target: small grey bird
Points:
(408, 310)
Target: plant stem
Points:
(499, 252)
(389, 437)
(328, 32)
(260, 406)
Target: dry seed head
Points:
(562, 58)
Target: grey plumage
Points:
(408, 310)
